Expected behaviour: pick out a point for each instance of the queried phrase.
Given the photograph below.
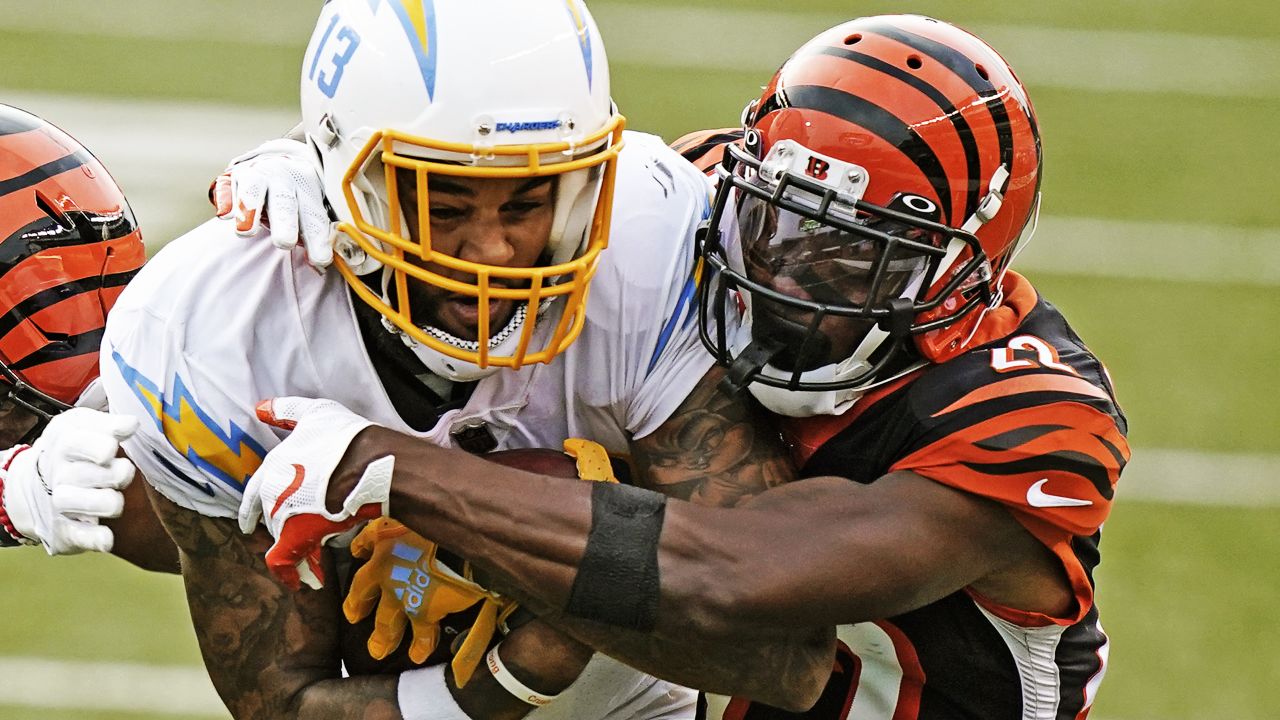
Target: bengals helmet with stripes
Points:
(68, 245)
(887, 175)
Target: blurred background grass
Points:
(1158, 117)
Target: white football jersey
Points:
(215, 323)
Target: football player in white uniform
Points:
(476, 162)
(68, 244)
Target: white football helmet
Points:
(495, 89)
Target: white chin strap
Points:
(806, 403)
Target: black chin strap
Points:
(749, 363)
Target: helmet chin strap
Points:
(804, 403)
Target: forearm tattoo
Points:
(714, 450)
(270, 652)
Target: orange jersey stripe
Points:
(1040, 382)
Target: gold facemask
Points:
(528, 287)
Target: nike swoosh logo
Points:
(298, 473)
(1037, 497)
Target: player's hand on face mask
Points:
(410, 586)
(277, 186)
(288, 491)
(57, 490)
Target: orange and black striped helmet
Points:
(886, 177)
(68, 246)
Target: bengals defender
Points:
(960, 443)
(885, 321)
(68, 246)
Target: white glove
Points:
(277, 185)
(288, 491)
(56, 491)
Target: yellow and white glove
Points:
(57, 490)
(410, 587)
(277, 186)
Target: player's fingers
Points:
(363, 593)
(90, 447)
(221, 196)
(121, 473)
(81, 536)
(282, 561)
(251, 504)
(93, 502)
(121, 427)
(248, 193)
(318, 238)
(388, 627)
(425, 638)
(282, 203)
(366, 540)
(285, 412)
(310, 571)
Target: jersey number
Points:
(1003, 360)
(330, 76)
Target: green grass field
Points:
(1186, 591)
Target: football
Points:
(544, 461)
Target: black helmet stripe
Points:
(874, 118)
(54, 295)
(971, 160)
(44, 172)
(963, 67)
(66, 347)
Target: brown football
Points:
(543, 461)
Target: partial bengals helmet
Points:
(400, 94)
(68, 246)
(888, 174)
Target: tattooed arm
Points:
(273, 653)
(714, 449)
(264, 646)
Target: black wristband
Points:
(617, 581)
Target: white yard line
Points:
(1093, 60)
(164, 154)
(672, 36)
(1193, 477)
(1144, 250)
